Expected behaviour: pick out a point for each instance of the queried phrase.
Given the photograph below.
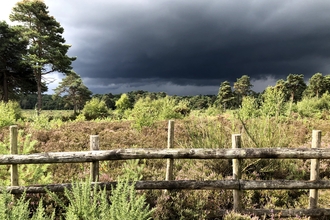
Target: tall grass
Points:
(208, 132)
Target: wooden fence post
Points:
(237, 173)
(94, 145)
(313, 193)
(170, 144)
(13, 150)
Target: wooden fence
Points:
(236, 184)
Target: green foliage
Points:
(182, 107)
(317, 85)
(85, 203)
(95, 108)
(147, 111)
(28, 173)
(237, 216)
(10, 209)
(123, 103)
(126, 203)
(242, 88)
(314, 107)
(16, 76)
(249, 108)
(41, 213)
(213, 111)
(9, 113)
(47, 51)
(295, 86)
(273, 102)
(14, 209)
(31, 173)
(81, 204)
(76, 93)
(225, 96)
(44, 122)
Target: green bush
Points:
(14, 209)
(10, 112)
(249, 108)
(124, 203)
(273, 102)
(123, 103)
(147, 111)
(238, 216)
(313, 107)
(95, 108)
(308, 107)
(28, 173)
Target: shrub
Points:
(95, 108)
(28, 173)
(124, 203)
(9, 113)
(238, 216)
(147, 111)
(249, 108)
(308, 107)
(11, 208)
(273, 102)
(314, 107)
(123, 103)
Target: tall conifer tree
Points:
(16, 77)
(76, 93)
(47, 51)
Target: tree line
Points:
(30, 50)
(35, 47)
(229, 96)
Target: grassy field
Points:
(191, 132)
(30, 113)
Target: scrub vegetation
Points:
(266, 120)
(283, 115)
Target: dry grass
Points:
(191, 133)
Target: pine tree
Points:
(295, 86)
(242, 87)
(16, 77)
(76, 92)
(47, 51)
(225, 95)
(317, 85)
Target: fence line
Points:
(236, 184)
(144, 153)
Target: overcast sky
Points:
(188, 47)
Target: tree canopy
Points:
(76, 93)
(15, 75)
(47, 51)
(225, 95)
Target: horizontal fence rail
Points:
(189, 185)
(139, 153)
(236, 184)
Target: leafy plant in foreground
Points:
(125, 203)
(9, 113)
(14, 209)
(28, 173)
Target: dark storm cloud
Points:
(134, 44)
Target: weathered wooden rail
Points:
(236, 184)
